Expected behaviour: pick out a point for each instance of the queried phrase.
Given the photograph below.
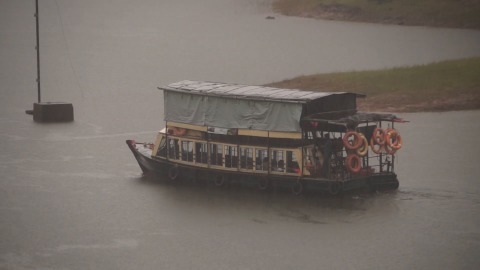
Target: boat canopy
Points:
(248, 107)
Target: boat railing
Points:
(229, 157)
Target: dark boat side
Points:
(174, 172)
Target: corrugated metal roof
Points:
(239, 91)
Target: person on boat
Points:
(317, 160)
(327, 151)
(265, 164)
(292, 166)
(281, 166)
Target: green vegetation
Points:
(449, 85)
(441, 13)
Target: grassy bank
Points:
(443, 86)
(439, 13)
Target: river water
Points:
(73, 197)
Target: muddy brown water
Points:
(73, 197)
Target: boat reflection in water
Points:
(271, 137)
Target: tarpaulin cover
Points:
(232, 113)
(236, 106)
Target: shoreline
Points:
(461, 103)
(430, 13)
(438, 87)
(452, 85)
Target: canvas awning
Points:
(247, 107)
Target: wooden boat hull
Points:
(174, 171)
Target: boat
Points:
(271, 138)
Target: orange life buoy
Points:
(363, 149)
(297, 187)
(335, 187)
(373, 144)
(389, 150)
(352, 145)
(379, 136)
(393, 139)
(179, 131)
(353, 163)
(173, 172)
(220, 180)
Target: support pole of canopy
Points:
(269, 156)
(303, 151)
(167, 143)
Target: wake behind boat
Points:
(271, 137)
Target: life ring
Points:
(353, 163)
(173, 172)
(363, 149)
(394, 140)
(263, 183)
(219, 180)
(388, 130)
(335, 187)
(378, 136)
(356, 140)
(389, 150)
(179, 131)
(297, 188)
(378, 150)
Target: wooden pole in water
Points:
(38, 51)
(48, 111)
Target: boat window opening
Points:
(261, 160)
(216, 154)
(278, 161)
(231, 156)
(201, 153)
(292, 163)
(162, 149)
(173, 149)
(246, 158)
(187, 151)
